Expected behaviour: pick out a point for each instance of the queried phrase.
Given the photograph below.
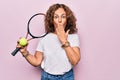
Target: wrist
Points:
(63, 41)
(66, 44)
(25, 54)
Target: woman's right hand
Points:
(23, 49)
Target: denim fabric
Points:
(67, 76)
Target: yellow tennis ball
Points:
(23, 41)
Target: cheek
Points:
(64, 22)
(55, 21)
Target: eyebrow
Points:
(62, 14)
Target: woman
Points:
(59, 51)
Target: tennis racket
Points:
(35, 29)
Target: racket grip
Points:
(15, 51)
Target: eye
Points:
(63, 16)
(55, 17)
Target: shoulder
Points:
(49, 36)
(73, 35)
(74, 40)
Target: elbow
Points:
(36, 65)
(76, 61)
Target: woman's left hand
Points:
(62, 35)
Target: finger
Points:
(67, 31)
(61, 29)
(59, 25)
(19, 40)
(23, 49)
(19, 46)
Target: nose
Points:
(59, 20)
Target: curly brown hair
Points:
(71, 20)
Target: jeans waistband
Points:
(67, 74)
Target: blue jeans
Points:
(67, 76)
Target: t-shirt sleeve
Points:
(40, 46)
(74, 40)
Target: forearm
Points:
(32, 59)
(73, 57)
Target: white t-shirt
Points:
(55, 60)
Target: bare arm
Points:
(73, 54)
(35, 59)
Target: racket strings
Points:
(36, 27)
(27, 37)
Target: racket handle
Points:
(15, 51)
